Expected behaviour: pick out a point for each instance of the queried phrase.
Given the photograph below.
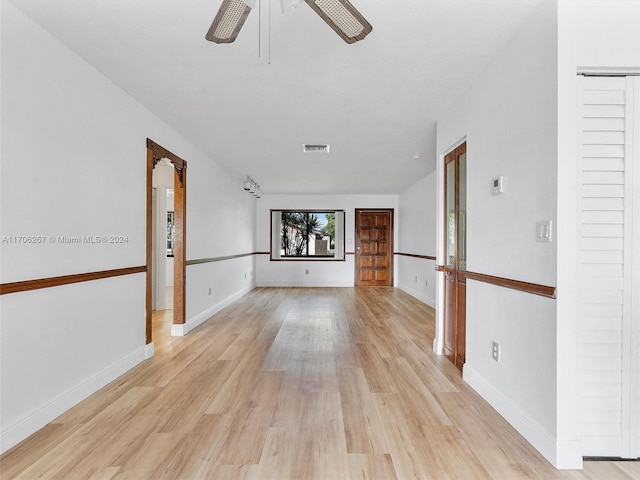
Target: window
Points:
(307, 234)
(171, 229)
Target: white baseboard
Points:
(530, 429)
(438, 347)
(418, 294)
(149, 350)
(181, 330)
(568, 455)
(14, 434)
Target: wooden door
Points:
(455, 262)
(374, 247)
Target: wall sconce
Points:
(252, 187)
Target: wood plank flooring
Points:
(289, 383)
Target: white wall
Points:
(598, 35)
(321, 273)
(73, 163)
(221, 221)
(227, 280)
(416, 224)
(508, 118)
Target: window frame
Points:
(276, 238)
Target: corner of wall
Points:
(568, 455)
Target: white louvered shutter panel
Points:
(608, 342)
(633, 151)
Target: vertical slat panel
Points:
(603, 213)
(632, 262)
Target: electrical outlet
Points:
(495, 351)
(416, 278)
(209, 291)
(245, 276)
(426, 283)
(306, 272)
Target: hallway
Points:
(323, 383)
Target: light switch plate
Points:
(497, 185)
(543, 231)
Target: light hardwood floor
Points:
(322, 383)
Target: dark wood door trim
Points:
(149, 243)
(389, 251)
(155, 153)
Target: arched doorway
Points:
(155, 153)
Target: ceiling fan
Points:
(340, 15)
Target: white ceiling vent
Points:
(309, 148)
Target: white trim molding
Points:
(21, 429)
(565, 455)
(180, 330)
(609, 71)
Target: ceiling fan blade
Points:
(343, 18)
(229, 20)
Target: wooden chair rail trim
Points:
(527, 287)
(533, 288)
(415, 255)
(309, 259)
(269, 253)
(220, 259)
(36, 284)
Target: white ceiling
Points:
(288, 79)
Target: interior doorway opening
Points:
(165, 242)
(163, 233)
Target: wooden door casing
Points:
(374, 247)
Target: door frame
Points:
(155, 153)
(390, 253)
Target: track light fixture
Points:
(252, 187)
